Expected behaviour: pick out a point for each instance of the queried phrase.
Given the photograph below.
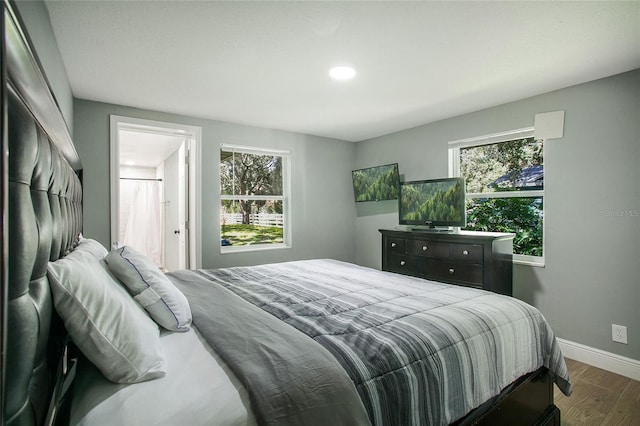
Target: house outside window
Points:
(504, 175)
(254, 198)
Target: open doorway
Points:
(153, 187)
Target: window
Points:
(254, 198)
(504, 175)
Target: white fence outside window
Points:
(259, 219)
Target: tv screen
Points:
(435, 202)
(376, 183)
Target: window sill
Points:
(250, 248)
(529, 260)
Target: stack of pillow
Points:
(92, 292)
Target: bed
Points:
(306, 342)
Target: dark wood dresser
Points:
(474, 259)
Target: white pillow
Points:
(103, 321)
(91, 246)
(150, 288)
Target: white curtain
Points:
(144, 225)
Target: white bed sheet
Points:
(199, 389)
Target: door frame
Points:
(194, 133)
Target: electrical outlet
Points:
(619, 333)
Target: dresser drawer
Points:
(469, 274)
(402, 264)
(427, 248)
(466, 252)
(395, 245)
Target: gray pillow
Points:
(91, 246)
(150, 288)
(103, 321)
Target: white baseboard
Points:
(606, 360)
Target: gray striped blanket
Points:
(419, 352)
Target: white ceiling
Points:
(266, 63)
(146, 149)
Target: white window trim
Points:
(454, 171)
(510, 194)
(525, 132)
(253, 248)
(254, 150)
(285, 198)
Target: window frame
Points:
(454, 171)
(285, 155)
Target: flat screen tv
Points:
(376, 183)
(433, 203)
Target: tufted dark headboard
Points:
(43, 218)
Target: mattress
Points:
(198, 389)
(419, 352)
(412, 351)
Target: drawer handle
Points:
(393, 244)
(451, 271)
(465, 252)
(402, 263)
(425, 248)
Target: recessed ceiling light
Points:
(342, 73)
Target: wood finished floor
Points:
(599, 398)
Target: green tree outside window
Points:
(504, 184)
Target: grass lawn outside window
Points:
(243, 235)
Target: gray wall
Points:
(592, 176)
(36, 18)
(322, 196)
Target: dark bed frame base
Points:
(527, 401)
